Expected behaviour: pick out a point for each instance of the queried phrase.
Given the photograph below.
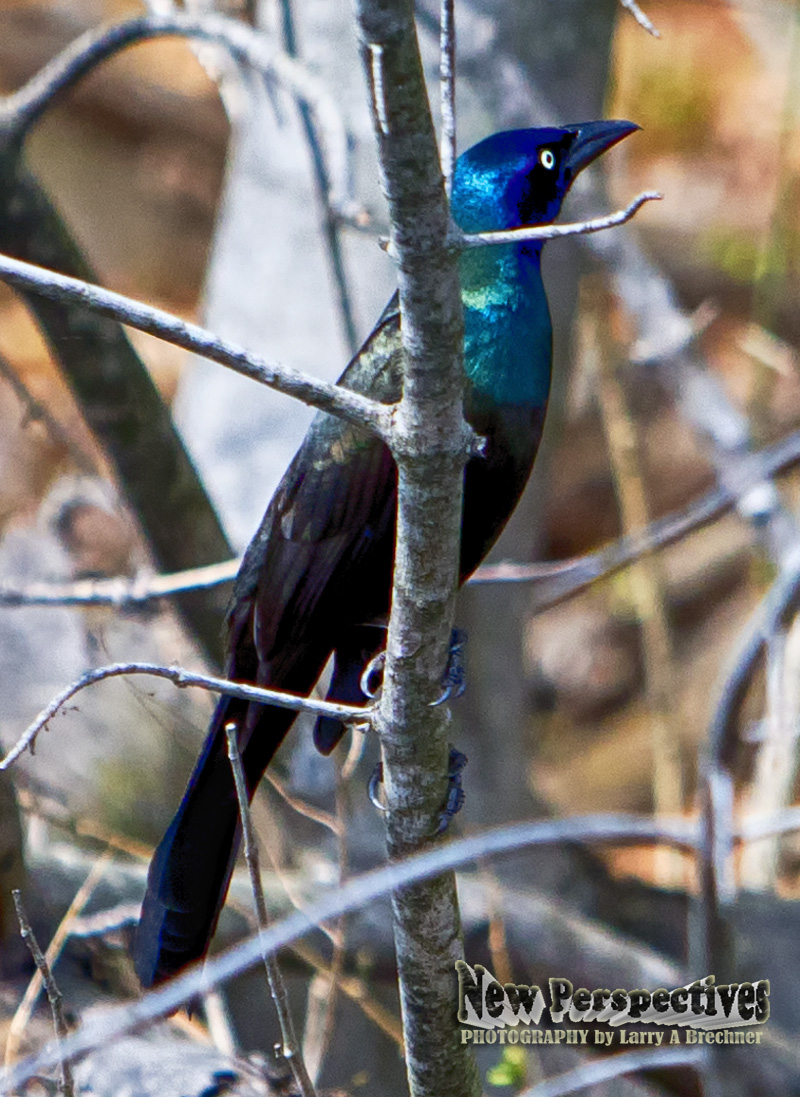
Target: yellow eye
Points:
(547, 159)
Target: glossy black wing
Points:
(321, 559)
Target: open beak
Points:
(592, 139)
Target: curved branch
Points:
(23, 108)
(319, 394)
(779, 604)
(184, 678)
(616, 1066)
(109, 1024)
(553, 582)
(556, 581)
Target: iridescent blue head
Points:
(520, 177)
(507, 181)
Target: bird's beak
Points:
(592, 139)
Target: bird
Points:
(315, 581)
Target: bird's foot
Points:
(455, 791)
(454, 679)
(373, 788)
(372, 676)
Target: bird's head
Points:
(520, 177)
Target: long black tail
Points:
(191, 869)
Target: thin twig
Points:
(447, 90)
(115, 1021)
(646, 580)
(111, 1023)
(118, 591)
(291, 1048)
(553, 232)
(302, 807)
(81, 827)
(767, 826)
(53, 993)
(324, 988)
(36, 411)
(297, 898)
(712, 936)
(19, 111)
(776, 609)
(780, 603)
(775, 768)
(358, 991)
(604, 1070)
(19, 1022)
(640, 17)
(320, 394)
(553, 582)
(331, 220)
(183, 678)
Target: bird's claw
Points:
(454, 679)
(455, 791)
(376, 779)
(374, 666)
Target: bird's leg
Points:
(373, 788)
(370, 683)
(454, 684)
(454, 679)
(455, 791)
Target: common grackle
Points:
(316, 579)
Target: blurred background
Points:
(188, 184)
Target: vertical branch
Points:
(331, 222)
(447, 86)
(647, 592)
(290, 1047)
(776, 763)
(715, 954)
(430, 446)
(19, 1022)
(324, 989)
(66, 1084)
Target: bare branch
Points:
(21, 1018)
(554, 232)
(36, 411)
(332, 220)
(765, 826)
(184, 678)
(290, 1048)
(357, 991)
(109, 1024)
(616, 1066)
(447, 89)
(319, 394)
(553, 582)
(118, 591)
(780, 603)
(640, 17)
(22, 109)
(557, 581)
(53, 993)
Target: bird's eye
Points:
(547, 159)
